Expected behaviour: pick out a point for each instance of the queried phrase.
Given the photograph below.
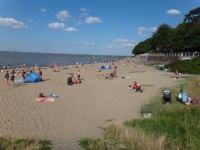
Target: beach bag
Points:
(184, 97)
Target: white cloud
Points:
(79, 22)
(173, 12)
(76, 43)
(83, 15)
(92, 20)
(84, 9)
(71, 29)
(30, 20)
(43, 10)
(12, 22)
(120, 40)
(56, 25)
(113, 46)
(153, 29)
(114, 22)
(63, 15)
(86, 43)
(140, 31)
(128, 44)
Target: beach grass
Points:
(24, 144)
(172, 126)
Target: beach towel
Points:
(47, 99)
(52, 96)
(19, 80)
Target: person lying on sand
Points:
(96, 70)
(84, 69)
(125, 77)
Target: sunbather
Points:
(197, 84)
(137, 87)
(176, 75)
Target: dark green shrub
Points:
(185, 66)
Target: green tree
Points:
(143, 47)
(193, 16)
(184, 38)
(161, 39)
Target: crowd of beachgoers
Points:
(25, 70)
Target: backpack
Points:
(184, 97)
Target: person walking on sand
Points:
(79, 74)
(7, 77)
(12, 78)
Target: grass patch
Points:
(172, 126)
(24, 144)
(152, 64)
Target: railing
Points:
(189, 54)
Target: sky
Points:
(101, 27)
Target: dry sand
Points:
(79, 109)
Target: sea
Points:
(15, 59)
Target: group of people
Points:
(15, 72)
(71, 80)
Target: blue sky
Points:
(107, 27)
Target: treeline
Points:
(184, 38)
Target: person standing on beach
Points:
(12, 79)
(79, 74)
(40, 73)
(7, 77)
(23, 74)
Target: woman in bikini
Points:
(7, 77)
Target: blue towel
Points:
(18, 80)
(53, 96)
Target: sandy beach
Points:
(79, 109)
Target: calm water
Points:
(15, 59)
